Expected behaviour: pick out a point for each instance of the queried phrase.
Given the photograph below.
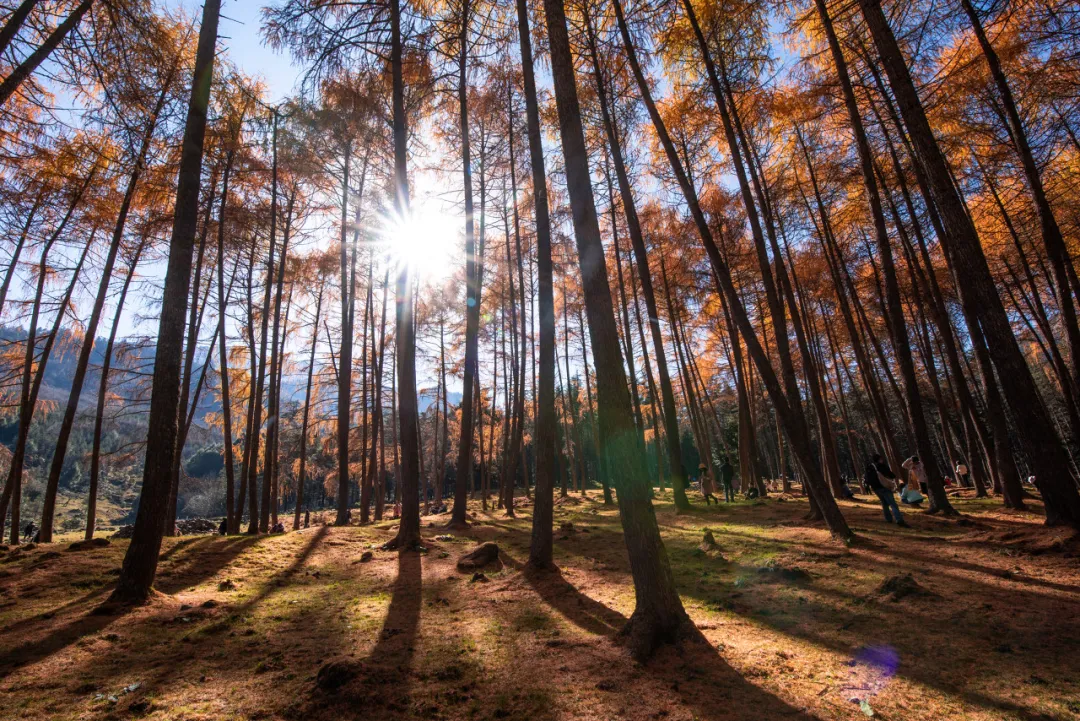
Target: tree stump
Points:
(479, 557)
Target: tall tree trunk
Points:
(473, 286)
(1048, 225)
(786, 398)
(409, 530)
(13, 262)
(99, 415)
(249, 416)
(654, 395)
(273, 421)
(440, 477)
(195, 316)
(376, 432)
(223, 349)
(658, 616)
(627, 335)
(544, 439)
(344, 399)
(896, 324)
(302, 475)
(575, 457)
(31, 380)
(52, 483)
(140, 561)
(637, 242)
(14, 23)
(517, 436)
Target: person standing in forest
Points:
(881, 480)
(917, 481)
(727, 476)
(962, 479)
(707, 487)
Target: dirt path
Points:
(979, 620)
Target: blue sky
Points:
(240, 35)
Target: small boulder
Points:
(366, 556)
(479, 557)
(901, 586)
(335, 674)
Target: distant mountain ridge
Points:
(60, 372)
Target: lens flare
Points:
(423, 239)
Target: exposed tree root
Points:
(646, 631)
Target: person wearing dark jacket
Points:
(881, 480)
(727, 475)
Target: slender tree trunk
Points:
(223, 349)
(473, 288)
(577, 464)
(627, 336)
(654, 395)
(106, 365)
(344, 399)
(302, 475)
(659, 615)
(14, 23)
(377, 429)
(273, 421)
(786, 402)
(250, 453)
(31, 379)
(13, 263)
(517, 454)
(409, 529)
(1048, 225)
(896, 324)
(140, 561)
(440, 477)
(52, 484)
(544, 439)
(195, 316)
(25, 69)
(637, 242)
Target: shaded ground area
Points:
(976, 619)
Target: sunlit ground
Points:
(797, 625)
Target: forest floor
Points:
(798, 626)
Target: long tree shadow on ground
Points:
(24, 643)
(691, 672)
(379, 685)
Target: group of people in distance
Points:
(880, 479)
(877, 478)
